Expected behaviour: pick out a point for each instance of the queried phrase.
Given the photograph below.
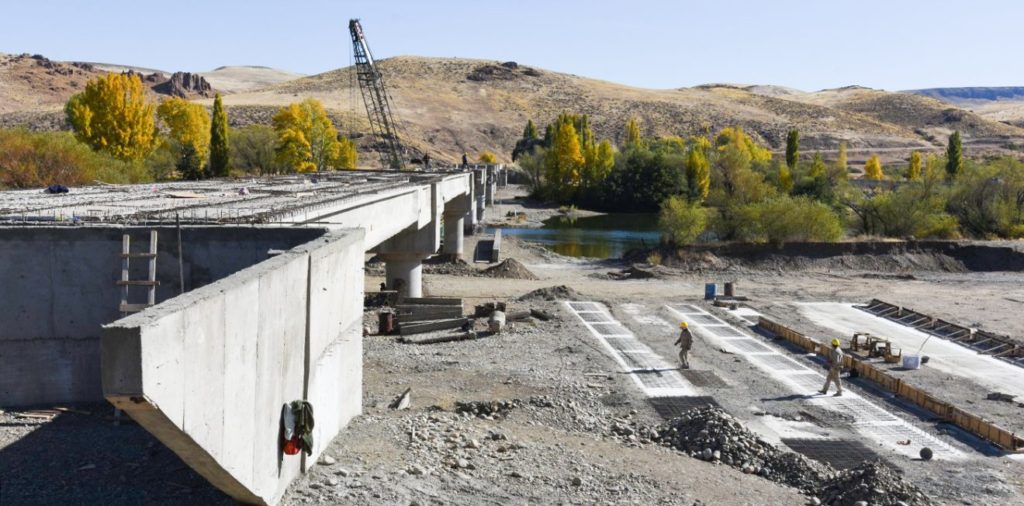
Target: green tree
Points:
(785, 179)
(818, 167)
(914, 168)
(954, 156)
(681, 221)
(792, 148)
(530, 132)
(784, 219)
(842, 165)
(632, 133)
(219, 151)
(252, 150)
(698, 174)
(873, 169)
(112, 115)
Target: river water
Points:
(605, 236)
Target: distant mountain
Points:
(973, 94)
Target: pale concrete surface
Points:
(945, 356)
(58, 289)
(208, 372)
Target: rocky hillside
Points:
(448, 106)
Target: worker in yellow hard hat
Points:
(685, 342)
(835, 365)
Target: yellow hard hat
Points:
(835, 342)
(683, 325)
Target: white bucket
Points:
(911, 361)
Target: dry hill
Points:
(448, 106)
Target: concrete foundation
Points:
(454, 232)
(404, 272)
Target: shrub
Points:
(30, 160)
(681, 222)
(785, 219)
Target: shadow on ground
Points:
(85, 459)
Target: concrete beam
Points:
(208, 372)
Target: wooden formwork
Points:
(970, 422)
(998, 346)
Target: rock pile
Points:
(552, 293)
(487, 409)
(711, 434)
(510, 269)
(871, 483)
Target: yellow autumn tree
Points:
(488, 158)
(113, 116)
(563, 162)
(188, 123)
(307, 140)
(873, 169)
(735, 136)
(914, 169)
(347, 155)
(632, 133)
(698, 173)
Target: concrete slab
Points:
(944, 356)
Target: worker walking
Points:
(685, 342)
(835, 365)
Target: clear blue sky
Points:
(891, 44)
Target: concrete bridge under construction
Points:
(245, 295)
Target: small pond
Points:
(605, 236)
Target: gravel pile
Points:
(510, 269)
(488, 410)
(872, 483)
(713, 435)
(552, 293)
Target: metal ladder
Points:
(125, 282)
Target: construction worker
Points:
(685, 342)
(835, 365)
(465, 160)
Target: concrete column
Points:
(404, 271)
(492, 184)
(480, 191)
(454, 232)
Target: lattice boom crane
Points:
(376, 99)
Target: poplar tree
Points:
(112, 115)
(219, 140)
(632, 133)
(873, 169)
(914, 169)
(792, 148)
(954, 155)
(698, 174)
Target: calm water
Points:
(606, 236)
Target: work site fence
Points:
(970, 422)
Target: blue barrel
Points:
(709, 290)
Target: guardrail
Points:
(970, 422)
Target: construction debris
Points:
(484, 310)
(406, 329)
(998, 396)
(541, 315)
(496, 323)
(402, 401)
(447, 338)
(509, 269)
(552, 293)
(711, 434)
(871, 483)
(487, 409)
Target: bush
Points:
(786, 219)
(252, 150)
(680, 221)
(32, 160)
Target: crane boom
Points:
(375, 97)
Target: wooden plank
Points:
(420, 328)
(432, 301)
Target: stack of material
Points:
(427, 314)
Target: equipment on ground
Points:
(377, 101)
(870, 346)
